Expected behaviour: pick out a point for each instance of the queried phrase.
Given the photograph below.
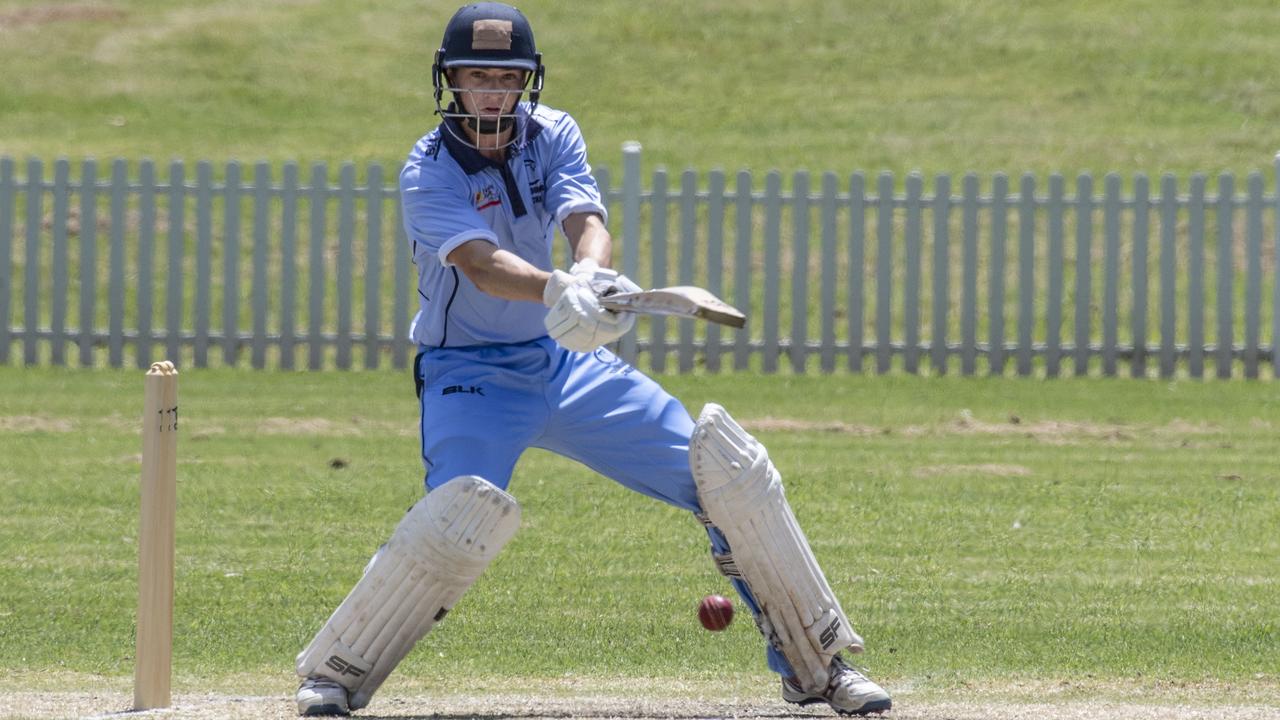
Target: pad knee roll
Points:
(437, 551)
(741, 493)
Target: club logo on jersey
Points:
(487, 198)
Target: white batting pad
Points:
(741, 493)
(437, 551)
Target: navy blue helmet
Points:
(490, 35)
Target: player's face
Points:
(488, 92)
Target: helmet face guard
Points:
(488, 128)
(486, 35)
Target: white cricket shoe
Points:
(322, 696)
(849, 692)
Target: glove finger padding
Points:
(575, 319)
(604, 281)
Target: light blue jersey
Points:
(452, 194)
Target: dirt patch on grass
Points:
(773, 424)
(1053, 432)
(56, 12)
(993, 469)
(326, 427)
(34, 423)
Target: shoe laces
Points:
(841, 670)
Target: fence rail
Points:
(223, 265)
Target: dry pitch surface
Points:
(654, 700)
(208, 707)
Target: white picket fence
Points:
(119, 266)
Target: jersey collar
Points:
(469, 158)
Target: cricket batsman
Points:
(512, 356)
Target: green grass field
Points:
(901, 85)
(990, 537)
(981, 533)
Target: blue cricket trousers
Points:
(483, 406)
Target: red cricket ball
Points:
(715, 612)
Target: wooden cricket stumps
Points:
(154, 651)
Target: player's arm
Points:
(498, 272)
(589, 238)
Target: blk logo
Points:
(472, 390)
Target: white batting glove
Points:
(604, 281)
(576, 320)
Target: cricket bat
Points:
(680, 301)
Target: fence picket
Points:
(884, 272)
(741, 268)
(658, 239)
(1084, 277)
(772, 267)
(146, 259)
(1195, 276)
(231, 265)
(288, 263)
(174, 284)
(1168, 275)
(115, 289)
(1226, 274)
(6, 253)
(941, 272)
(911, 280)
(31, 258)
(318, 199)
(857, 271)
(261, 212)
(58, 307)
(1111, 274)
(1141, 237)
(1026, 271)
(715, 261)
(688, 255)
(346, 241)
(969, 281)
(373, 268)
(995, 282)
(799, 271)
(204, 262)
(828, 273)
(1253, 276)
(1056, 261)
(88, 260)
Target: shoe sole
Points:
(874, 707)
(330, 710)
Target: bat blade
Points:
(680, 301)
